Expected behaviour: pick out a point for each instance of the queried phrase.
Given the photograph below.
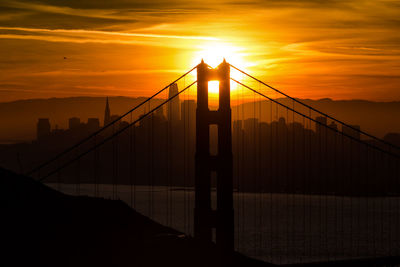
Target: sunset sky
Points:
(309, 49)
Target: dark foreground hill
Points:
(44, 227)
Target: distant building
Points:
(160, 112)
(331, 135)
(282, 128)
(43, 128)
(114, 117)
(116, 124)
(393, 138)
(56, 131)
(173, 105)
(188, 110)
(93, 124)
(320, 125)
(333, 125)
(353, 131)
(123, 124)
(297, 127)
(282, 121)
(188, 113)
(237, 125)
(237, 129)
(107, 114)
(74, 123)
(251, 126)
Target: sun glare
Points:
(213, 54)
(213, 87)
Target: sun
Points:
(214, 53)
(213, 87)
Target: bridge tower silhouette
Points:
(221, 219)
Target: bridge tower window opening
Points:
(213, 94)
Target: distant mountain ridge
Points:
(18, 118)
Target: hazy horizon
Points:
(374, 117)
(233, 104)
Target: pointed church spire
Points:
(107, 116)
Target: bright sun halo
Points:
(213, 54)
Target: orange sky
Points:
(308, 49)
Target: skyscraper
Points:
(188, 112)
(333, 125)
(74, 123)
(320, 129)
(43, 128)
(353, 131)
(93, 124)
(173, 105)
(160, 112)
(188, 117)
(107, 116)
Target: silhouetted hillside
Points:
(18, 119)
(42, 227)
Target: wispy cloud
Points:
(81, 32)
(81, 73)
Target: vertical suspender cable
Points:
(117, 167)
(183, 119)
(113, 163)
(303, 190)
(58, 177)
(148, 157)
(335, 179)
(130, 161)
(78, 170)
(272, 184)
(294, 183)
(260, 180)
(287, 183)
(254, 173)
(344, 157)
(134, 170)
(152, 166)
(244, 135)
(368, 189)
(326, 187)
(351, 177)
(312, 186)
(279, 182)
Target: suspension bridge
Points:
(252, 169)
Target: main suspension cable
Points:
(115, 134)
(320, 112)
(104, 127)
(314, 120)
